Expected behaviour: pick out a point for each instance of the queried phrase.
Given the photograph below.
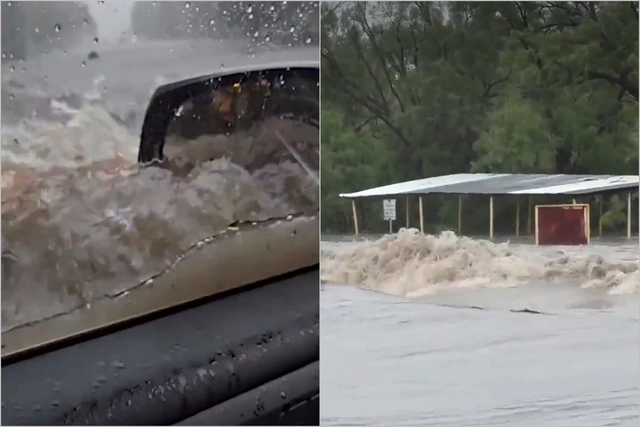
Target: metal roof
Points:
(486, 183)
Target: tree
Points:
(453, 87)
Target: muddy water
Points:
(79, 224)
(435, 331)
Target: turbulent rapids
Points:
(412, 265)
(81, 220)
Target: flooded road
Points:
(80, 220)
(442, 331)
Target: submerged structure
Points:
(554, 224)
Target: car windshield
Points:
(83, 225)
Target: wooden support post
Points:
(536, 222)
(629, 215)
(600, 217)
(421, 215)
(406, 209)
(529, 215)
(355, 215)
(459, 214)
(517, 218)
(587, 223)
(491, 217)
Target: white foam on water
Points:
(81, 220)
(413, 265)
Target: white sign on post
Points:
(389, 211)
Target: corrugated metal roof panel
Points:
(481, 183)
(589, 185)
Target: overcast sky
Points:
(112, 17)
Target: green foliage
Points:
(418, 89)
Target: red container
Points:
(562, 224)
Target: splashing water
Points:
(413, 265)
(81, 220)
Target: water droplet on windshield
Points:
(234, 22)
